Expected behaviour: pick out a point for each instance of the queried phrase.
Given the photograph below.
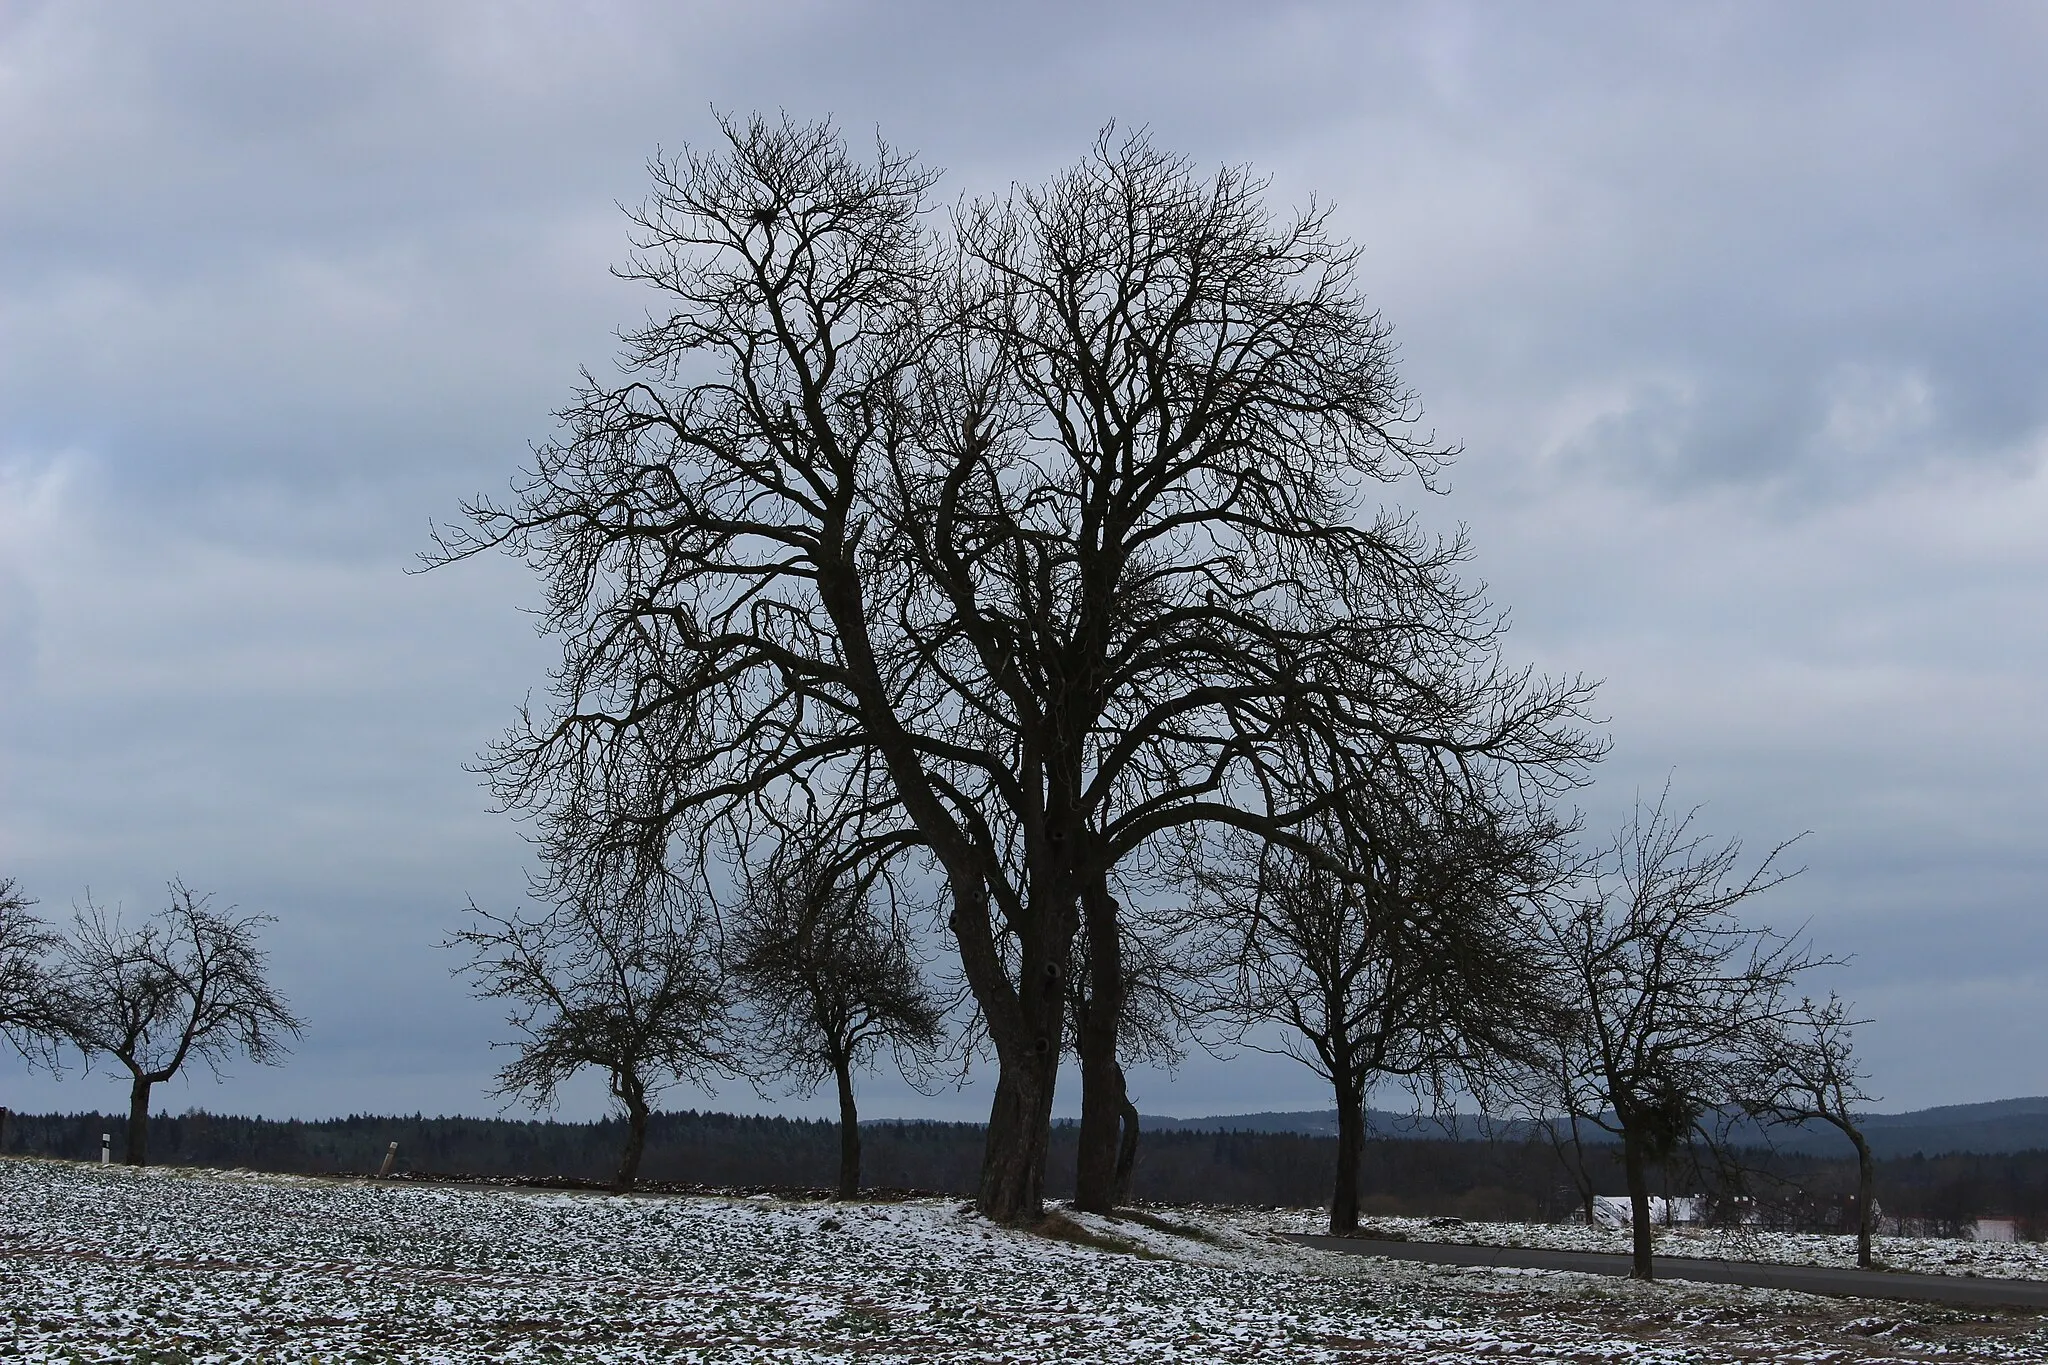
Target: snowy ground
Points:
(106, 1264)
(1929, 1255)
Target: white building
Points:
(1612, 1210)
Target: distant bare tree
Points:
(1805, 1071)
(617, 976)
(31, 1010)
(830, 983)
(188, 982)
(1403, 948)
(25, 978)
(1671, 991)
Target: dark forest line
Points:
(1399, 1176)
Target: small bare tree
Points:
(618, 976)
(1401, 949)
(1672, 993)
(31, 1011)
(830, 983)
(1806, 1072)
(189, 982)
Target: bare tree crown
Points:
(830, 981)
(32, 1003)
(1015, 540)
(190, 982)
(622, 985)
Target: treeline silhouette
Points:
(1504, 1180)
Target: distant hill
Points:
(1995, 1127)
(2016, 1125)
(1323, 1123)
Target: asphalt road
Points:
(1958, 1290)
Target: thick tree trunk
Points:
(1025, 1021)
(1102, 1080)
(1866, 1201)
(1126, 1149)
(849, 1132)
(1102, 1108)
(138, 1121)
(1023, 1017)
(1636, 1166)
(1019, 1134)
(636, 1140)
(1350, 1146)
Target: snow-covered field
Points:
(107, 1264)
(1928, 1255)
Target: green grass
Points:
(1060, 1228)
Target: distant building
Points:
(1612, 1210)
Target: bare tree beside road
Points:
(1672, 994)
(1805, 1071)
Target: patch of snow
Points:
(113, 1264)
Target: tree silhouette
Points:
(615, 977)
(188, 982)
(830, 983)
(1805, 1071)
(1403, 949)
(1020, 544)
(31, 1008)
(1671, 993)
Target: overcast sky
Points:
(1739, 311)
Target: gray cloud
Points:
(1738, 311)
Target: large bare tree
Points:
(830, 982)
(187, 982)
(1672, 992)
(1022, 541)
(616, 976)
(1154, 548)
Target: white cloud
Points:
(1736, 310)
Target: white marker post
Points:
(389, 1158)
(106, 1148)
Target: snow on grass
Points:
(108, 1264)
(1927, 1255)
